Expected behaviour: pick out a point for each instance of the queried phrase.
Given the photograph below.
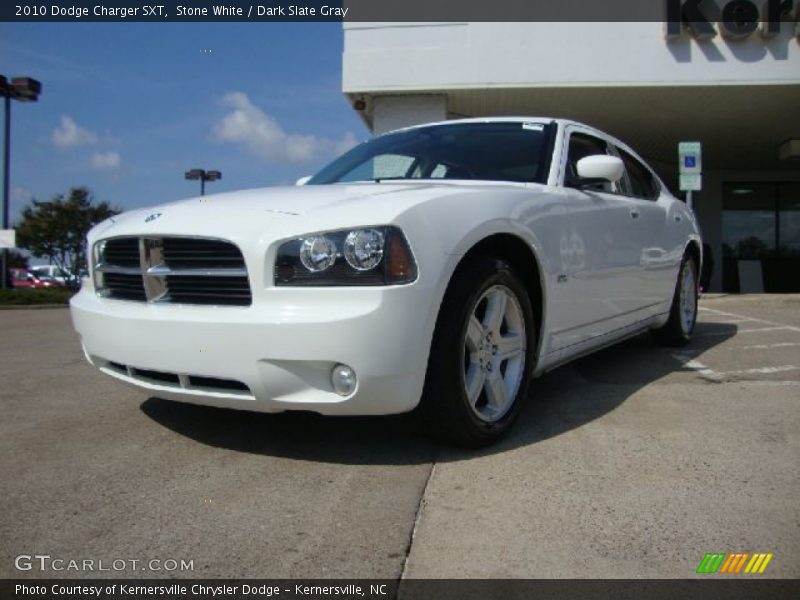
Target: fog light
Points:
(344, 380)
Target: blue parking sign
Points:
(689, 158)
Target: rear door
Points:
(648, 206)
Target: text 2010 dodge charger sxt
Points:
(439, 267)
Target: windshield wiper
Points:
(380, 179)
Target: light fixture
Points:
(25, 89)
(203, 176)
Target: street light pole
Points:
(6, 180)
(203, 176)
(24, 89)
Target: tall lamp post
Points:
(23, 89)
(203, 176)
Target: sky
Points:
(127, 108)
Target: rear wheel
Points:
(683, 312)
(479, 368)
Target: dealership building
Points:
(651, 84)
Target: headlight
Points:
(317, 253)
(363, 249)
(363, 256)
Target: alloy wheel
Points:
(494, 353)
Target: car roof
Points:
(506, 119)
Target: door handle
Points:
(634, 213)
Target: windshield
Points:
(504, 151)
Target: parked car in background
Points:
(23, 278)
(437, 268)
(51, 273)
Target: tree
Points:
(56, 229)
(16, 260)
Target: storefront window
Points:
(789, 220)
(761, 222)
(748, 221)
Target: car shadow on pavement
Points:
(560, 401)
(298, 435)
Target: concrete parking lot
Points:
(633, 462)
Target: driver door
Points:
(599, 252)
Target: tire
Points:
(683, 312)
(480, 364)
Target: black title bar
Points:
(337, 10)
(708, 588)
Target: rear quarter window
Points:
(642, 184)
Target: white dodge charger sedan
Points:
(437, 268)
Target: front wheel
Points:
(683, 312)
(480, 364)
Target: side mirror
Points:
(303, 180)
(599, 168)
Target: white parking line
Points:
(759, 370)
(760, 329)
(695, 365)
(738, 331)
(708, 373)
(762, 346)
(734, 321)
(735, 316)
(723, 320)
(688, 360)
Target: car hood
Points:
(242, 213)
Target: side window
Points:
(641, 181)
(582, 145)
(438, 172)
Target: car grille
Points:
(123, 252)
(125, 286)
(172, 269)
(197, 383)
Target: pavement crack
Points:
(417, 519)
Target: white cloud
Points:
(105, 160)
(21, 194)
(262, 136)
(20, 197)
(70, 134)
(343, 145)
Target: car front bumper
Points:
(273, 356)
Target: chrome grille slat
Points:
(193, 286)
(209, 292)
(111, 268)
(173, 269)
(198, 272)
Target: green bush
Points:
(23, 296)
